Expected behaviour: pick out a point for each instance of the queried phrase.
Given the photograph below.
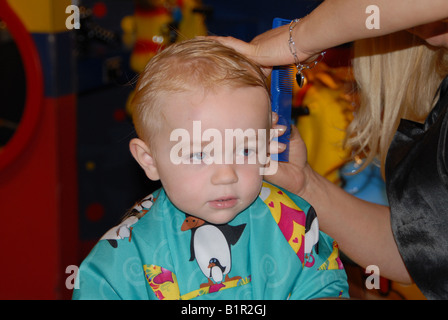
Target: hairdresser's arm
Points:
(337, 22)
(362, 229)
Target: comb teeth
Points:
(286, 79)
(284, 76)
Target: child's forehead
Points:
(225, 104)
(199, 97)
(199, 92)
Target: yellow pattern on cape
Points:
(333, 261)
(206, 290)
(167, 288)
(274, 200)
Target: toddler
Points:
(215, 230)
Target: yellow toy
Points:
(156, 24)
(192, 23)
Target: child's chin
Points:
(222, 219)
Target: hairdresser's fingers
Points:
(274, 118)
(276, 147)
(239, 45)
(289, 175)
(277, 131)
(271, 168)
(266, 71)
(247, 49)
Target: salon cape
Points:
(417, 188)
(275, 253)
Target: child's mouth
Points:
(223, 203)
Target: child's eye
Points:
(247, 152)
(198, 156)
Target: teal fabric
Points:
(153, 260)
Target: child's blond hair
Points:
(187, 65)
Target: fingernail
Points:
(280, 127)
(274, 116)
(281, 146)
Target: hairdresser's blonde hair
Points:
(397, 77)
(187, 65)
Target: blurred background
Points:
(66, 173)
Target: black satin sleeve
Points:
(417, 189)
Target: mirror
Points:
(12, 85)
(21, 86)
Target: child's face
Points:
(215, 192)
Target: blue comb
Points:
(282, 82)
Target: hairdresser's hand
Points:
(268, 49)
(289, 175)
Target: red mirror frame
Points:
(34, 86)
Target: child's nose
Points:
(224, 174)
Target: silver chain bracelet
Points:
(300, 78)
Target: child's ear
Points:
(140, 151)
